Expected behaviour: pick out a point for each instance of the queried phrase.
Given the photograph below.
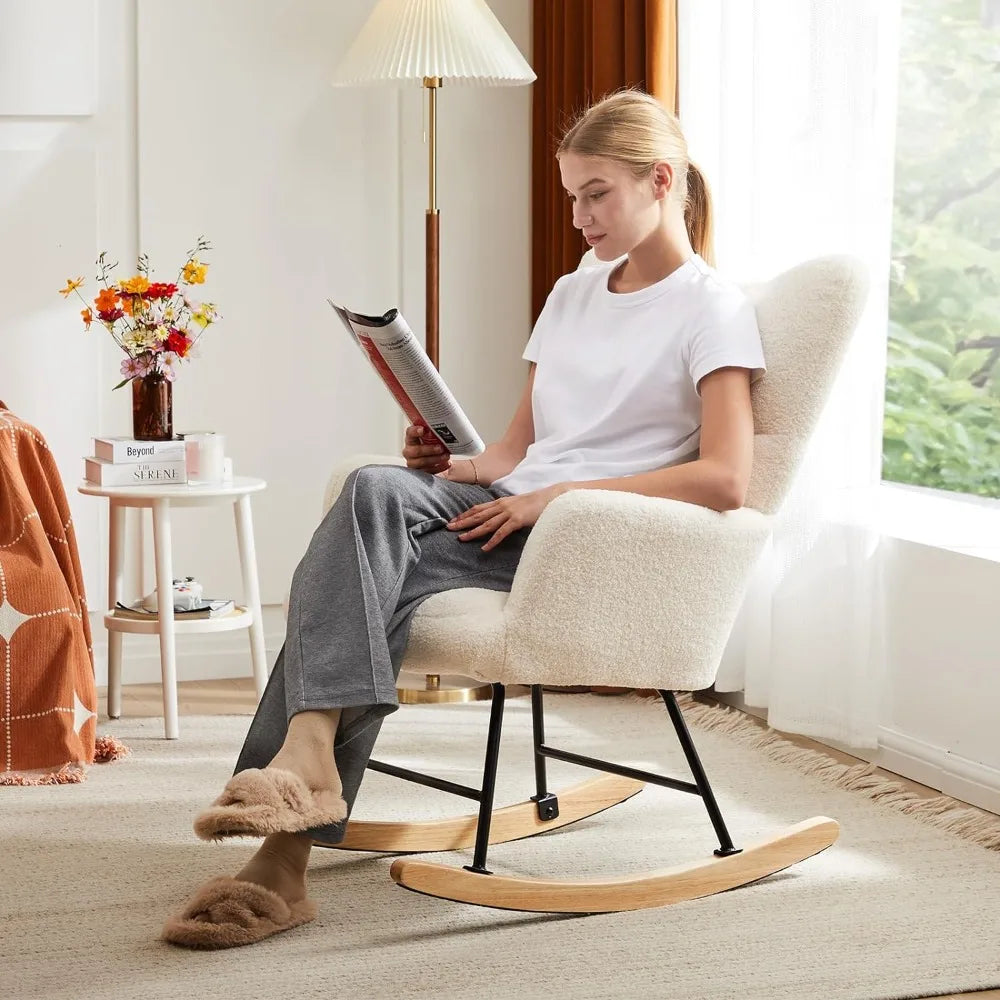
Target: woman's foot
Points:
(280, 865)
(258, 802)
(266, 897)
(300, 788)
(312, 760)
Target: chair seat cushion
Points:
(459, 632)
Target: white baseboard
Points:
(959, 777)
(934, 766)
(199, 657)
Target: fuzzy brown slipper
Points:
(258, 801)
(227, 913)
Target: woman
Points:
(640, 381)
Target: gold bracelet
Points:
(475, 471)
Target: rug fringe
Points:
(68, 774)
(109, 748)
(106, 749)
(941, 811)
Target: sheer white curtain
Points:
(789, 108)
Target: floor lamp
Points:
(433, 42)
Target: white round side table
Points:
(160, 499)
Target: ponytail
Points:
(635, 129)
(698, 215)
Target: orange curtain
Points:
(582, 50)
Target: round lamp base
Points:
(437, 689)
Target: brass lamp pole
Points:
(432, 227)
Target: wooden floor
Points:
(236, 697)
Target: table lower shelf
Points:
(239, 617)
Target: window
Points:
(942, 412)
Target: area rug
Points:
(897, 908)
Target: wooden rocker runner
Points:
(620, 589)
(474, 883)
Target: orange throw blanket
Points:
(47, 696)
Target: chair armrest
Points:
(346, 466)
(621, 589)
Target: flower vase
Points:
(152, 409)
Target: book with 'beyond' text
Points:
(122, 449)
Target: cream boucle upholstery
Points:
(806, 317)
(619, 589)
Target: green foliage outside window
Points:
(942, 405)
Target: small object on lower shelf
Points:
(206, 609)
(187, 596)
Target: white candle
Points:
(205, 456)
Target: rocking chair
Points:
(646, 601)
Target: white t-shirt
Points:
(615, 387)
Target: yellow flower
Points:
(194, 272)
(161, 333)
(134, 286)
(72, 284)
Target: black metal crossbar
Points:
(427, 779)
(612, 768)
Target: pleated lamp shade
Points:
(458, 41)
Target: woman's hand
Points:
(426, 457)
(461, 473)
(500, 518)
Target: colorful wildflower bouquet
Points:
(156, 324)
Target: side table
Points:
(160, 499)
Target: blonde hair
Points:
(634, 129)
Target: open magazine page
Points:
(416, 384)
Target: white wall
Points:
(144, 125)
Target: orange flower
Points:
(72, 284)
(106, 300)
(133, 305)
(88, 317)
(134, 286)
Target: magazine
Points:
(204, 609)
(403, 365)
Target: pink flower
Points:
(166, 363)
(146, 364)
(131, 368)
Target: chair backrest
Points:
(806, 317)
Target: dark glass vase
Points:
(152, 409)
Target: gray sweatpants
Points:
(382, 548)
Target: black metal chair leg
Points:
(700, 779)
(489, 783)
(546, 804)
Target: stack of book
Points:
(120, 461)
